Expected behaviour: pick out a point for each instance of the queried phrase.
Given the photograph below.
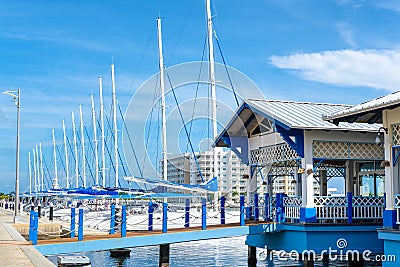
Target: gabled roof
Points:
(367, 112)
(288, 115)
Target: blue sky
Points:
(338, 51)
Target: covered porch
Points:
(293, 154)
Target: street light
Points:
(17, 100)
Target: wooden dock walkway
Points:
(149, 238)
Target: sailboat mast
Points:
(75, 150)
(55, 183)
(114, 103)
(96, 159)
(103, 154)
(83, 147)
(41, 167)
(34, 170)
(66, 155)
(30, 173)
(164, 122)
(211, 68)
(38, 169)
(212, 80)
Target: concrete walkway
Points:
(14, 249)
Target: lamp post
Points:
(17, 100)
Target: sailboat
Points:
(206, 186)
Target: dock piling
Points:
(256, 208)
(203, 214)
(112, 220)
(150, 212)
(164, 255)
(72, 235)
(187, 212)
(35, 228)
(242, 222)
(123, 221)
(80, 225)
(51, 213)
(252, 256)
(222, 210)
(266, 207)
(165, 217)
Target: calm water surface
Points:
(217, 252)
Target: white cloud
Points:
(347, 34)
(372, 68)
(393, 5)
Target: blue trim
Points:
(397, 155)
(349, 207)
(298, 134)
(308, 215)
(389, 218)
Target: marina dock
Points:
(15, 250)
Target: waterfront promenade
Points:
(15, 250)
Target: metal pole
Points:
(164, 121)
(213, 91)
(17, 100)
(16, 218)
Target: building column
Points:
(308, 213)
(252, 184)
(350, 177)
(390, 213)
(323, 183)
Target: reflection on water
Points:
(217, 252)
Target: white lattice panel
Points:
(330, 201)
(292, 201)
(366, 151)
(271, 154)
(347, 150)
(368, 201)
(396, 134)
(332, 150)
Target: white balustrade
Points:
(292, 207)
(368, 207)
(331, 208)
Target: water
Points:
(217, 252)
